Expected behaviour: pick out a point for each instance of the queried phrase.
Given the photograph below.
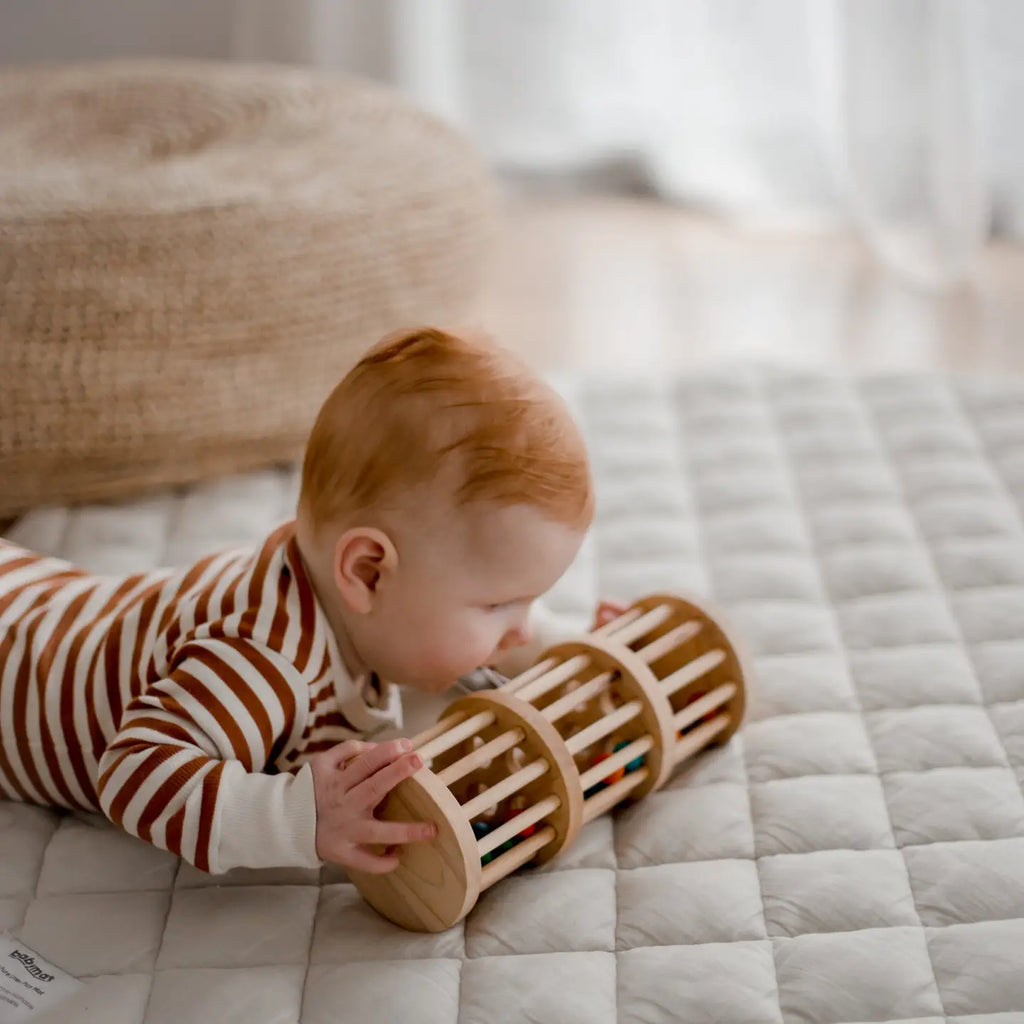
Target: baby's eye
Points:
(497, 607)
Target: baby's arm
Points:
(184, 771)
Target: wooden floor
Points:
(604, 284)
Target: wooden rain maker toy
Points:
(510, 775)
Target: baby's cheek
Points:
(462, 651)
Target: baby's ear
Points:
(361, 557)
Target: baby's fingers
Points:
(360, 859)
(392, 833)
(372, 760)
(370, 793)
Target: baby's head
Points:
(444, 489)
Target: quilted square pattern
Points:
(537, 913)
(855, 853)
(819, 976)
(819, 813)
(835, 891)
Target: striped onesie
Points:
(183, 704)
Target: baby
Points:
(217, 711)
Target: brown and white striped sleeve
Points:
(185, 770)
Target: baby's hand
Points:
(349, 781)
(606, 612)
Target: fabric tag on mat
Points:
(29, 985)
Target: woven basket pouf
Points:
(192, 254)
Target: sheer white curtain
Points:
(900, 115)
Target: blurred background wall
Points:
(893, 122)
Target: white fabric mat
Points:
(855, 854)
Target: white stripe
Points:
(145, 793)
(215, 606)
(262, 690)
(57, 679)
(185, 602)
(120, 775)
(31, 577)
(232, 705)
(193, 808)
(159, 827)
(51, 613)
(200, 716)
(189, 601)
(128, 670)
(269, 601)
(143, 709)
(293, 630)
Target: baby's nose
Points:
(514, 638)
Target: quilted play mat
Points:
(855, 853)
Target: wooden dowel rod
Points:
(628, 616)
(435, 730)
(694, 670)
(673, 638)
(460, 732)
(516, 684)
(493, 794)
(596, 805)
(476, 758)
(603, 726)
(515, 825)
(699, 708)
(555, 710)
(543, 684)
(516, 857)
(618, 760)
(631, 631)
(699, 738)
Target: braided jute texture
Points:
(192, 254)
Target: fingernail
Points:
(404, 745)
(416, 761)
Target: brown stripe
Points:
(7, 639)
(259, 575)
(171, 787)
(333, 718)
(211, 783)
(19, 711)
(228, 598)
(154, 757)
(47, 585)
(44, 663)
(243, 691)
(7, 790)
(203, 604)
(172, 730)
(175, 826)
(202, 695)
(307, 605)
(19, 563)
(69, 695)
(146, 610)
(111, 645)
(279, 624)
(285, 698)
(327, 693)
(171, 621)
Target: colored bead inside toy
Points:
(480, 829)
(636, 763)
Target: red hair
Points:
(427, 405)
